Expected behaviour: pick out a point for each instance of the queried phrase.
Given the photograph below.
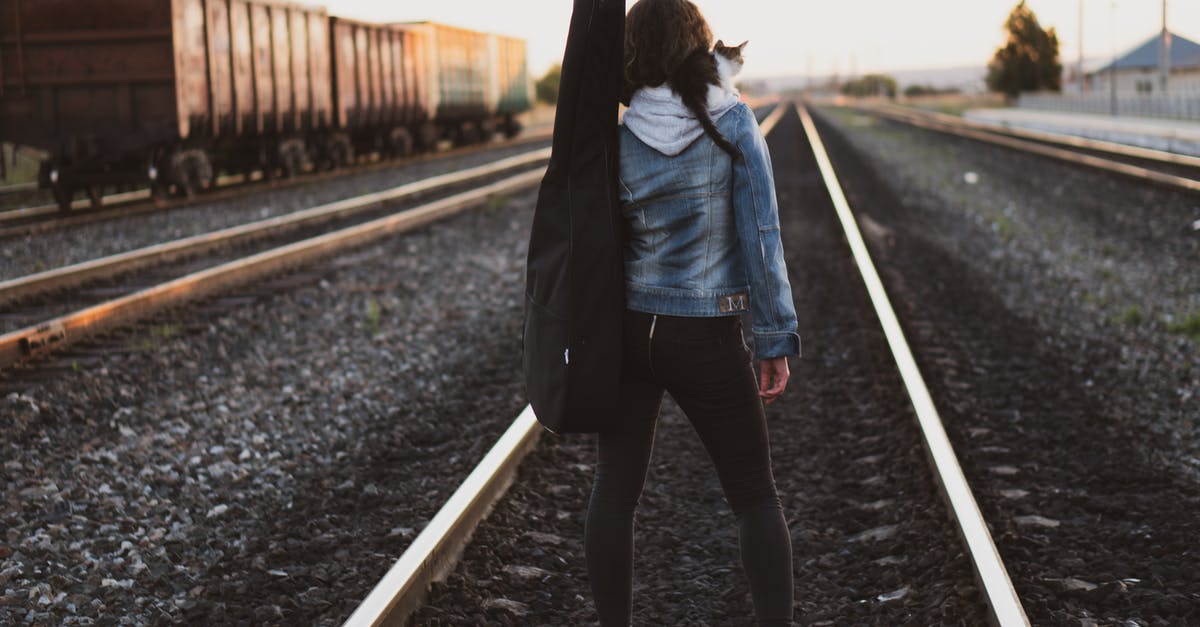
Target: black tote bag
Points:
(574, 287)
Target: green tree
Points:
(547, 85)
(871, 85)
(1029, 60)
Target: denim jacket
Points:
(702, 232)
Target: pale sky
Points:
(793, 37)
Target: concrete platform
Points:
(1180, 136)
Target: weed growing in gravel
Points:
(497, 202)
(1187, 325)
(1132, 316)
(1003, 227)
(374, 315)
(155, 335)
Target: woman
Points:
(703, 246)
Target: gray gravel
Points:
(1073, 414)
(267, 463)
(1093, 259)
(36, 253)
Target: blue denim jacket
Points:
(702, 233)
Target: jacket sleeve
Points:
(756, 213)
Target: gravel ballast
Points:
(1047, 305)
(267, 461)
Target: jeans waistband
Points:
(684, 327)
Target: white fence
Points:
(1185, 106)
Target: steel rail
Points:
(19, 345)
(434, 552)
(1061, 154)
(432, 555)
(124, 204)
(25, 287)
(1084, 143)
(769, 122)
(1002, 599)
(17, 188)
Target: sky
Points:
(820, 37)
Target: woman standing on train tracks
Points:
(702, 247)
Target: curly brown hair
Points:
(659, 35)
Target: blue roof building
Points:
(1185, 54)
(1137, 70)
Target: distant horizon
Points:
(819, 37)
(1089, 62)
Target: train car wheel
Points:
(427, 138)
(468, 134)
(400, 142)
(487, 131)
(343, 152)
(511, 127)
(62, 197)
(266, 164)
(160, 195)
(292, 157)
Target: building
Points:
(1137, 71)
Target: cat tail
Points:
(700, 109)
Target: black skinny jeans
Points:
(707, 368)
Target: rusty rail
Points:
(26, 287)
(22, 344)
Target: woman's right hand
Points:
(772, 378)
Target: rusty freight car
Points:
(511, 88)
(480, 82)
(382, 88)
(163, 93)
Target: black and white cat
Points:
(705, 78)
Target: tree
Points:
(871, 85)
(547, 85)
(916, 91)
(1029, 60)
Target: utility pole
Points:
(1164, 53)
(1112, 69)
(1079, 70)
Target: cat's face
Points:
(733, 54)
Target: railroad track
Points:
(1152, 166)
(53, 309)
(47, 217)
(433, 553)
(17, 188)
(1002, 355)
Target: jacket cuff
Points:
(771, 345)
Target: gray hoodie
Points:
(658, 117)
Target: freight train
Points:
(170, 93)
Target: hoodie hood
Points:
(658, 117)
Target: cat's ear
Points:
(742, 45)
(720, 44)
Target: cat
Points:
(703, 75)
